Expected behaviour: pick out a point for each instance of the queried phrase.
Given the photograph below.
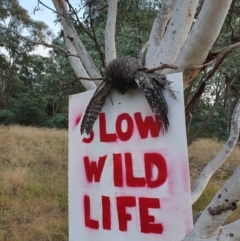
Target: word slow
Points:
(144, 126)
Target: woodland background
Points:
(33, 89)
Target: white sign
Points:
(128, 181)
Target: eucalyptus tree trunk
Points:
(179, 38)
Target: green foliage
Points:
(7, 117)
(59, 121)
(133, 26)
(31, 90)
(217, 126)
(29, 109)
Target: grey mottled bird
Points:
(124, 73)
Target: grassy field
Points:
(33, 182)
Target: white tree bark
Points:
(202, 36)
(71, 33)
(208, 227)
(110, 46)
(175, 35)
(159, 26)
(78, 67)
(213, 165)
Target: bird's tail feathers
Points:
(94, 107)
(153, 93)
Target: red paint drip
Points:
(77, 120)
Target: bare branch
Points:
(210, 113)
(163, 66)
(78, 66)
(208, 226)
(69, 30)
(216, 66)
(222, 208)
(195, 98)
(39, 1)
(81, 27)
(36, 42)
(213, 165)
(101, 54)
(193, 71)
(203, 66)
(229, 48)
(110, 48)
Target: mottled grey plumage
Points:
(124, 73)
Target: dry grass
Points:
(14, 180)
(33, 182)
(202, 151)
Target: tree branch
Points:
(163, 66)
(229, 48)
(208, 226)
(190, 105)
(101, 54)
(70, 32)
(197, 95)
(216, 66)
(110, 48)
(77, 66)
(36, 42)
(175, 34)
(159, 26)
(197, 45)
(205, 122)
(39, 1)
(81, 27)
(213, 165)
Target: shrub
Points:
(59, 121)
(7, 117)
(29, 109)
